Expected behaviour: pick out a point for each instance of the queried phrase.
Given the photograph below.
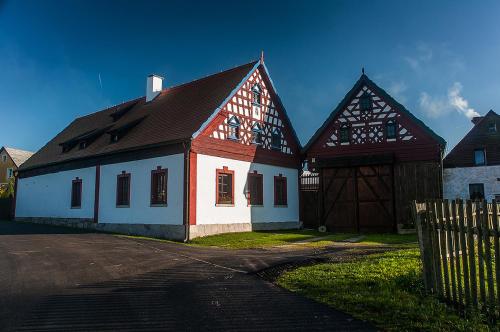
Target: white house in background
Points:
(214, 155)
(472, 168)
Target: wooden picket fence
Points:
(459, 245)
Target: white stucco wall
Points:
(457, 180)
(49, 195)
(208, 213)
(140, 211)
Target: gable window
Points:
(225, 186)
(123, 190)
(344, 134)
(390, 129)
(276, 139)
(256, 134)
(479, 157)
(476, 191)
(255, 189)
(256, 94)
(280, 194)
(76, 193)
(4, 158)
(234, 128)
(492, 127)
(10, 173)
(365, 102)
(159, 178)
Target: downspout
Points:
(187, 151)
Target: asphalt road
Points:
(60, 279)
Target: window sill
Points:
(122, 206)
(280, 206)
(391, 140)
(224, 205)
(158, 205)
(275, 148)
(76, 207)
(255, 205)
(233, 139)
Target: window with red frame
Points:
(76, 193)
(225, 186)
(159, 178)
(280, 197)
(254, 189)
(123, 190)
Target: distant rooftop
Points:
(18, 156)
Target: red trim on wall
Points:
(96, 193)
(218, 172)
(192, 187)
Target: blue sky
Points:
(63, 59)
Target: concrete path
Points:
(59, 279)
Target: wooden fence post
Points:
(424, 244)
(463, 247)
(472, 254)
(456, 242)
(449, 241)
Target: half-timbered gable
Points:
(252, 125)
(370, 121)
(372, 157)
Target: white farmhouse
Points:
(214, 155)
(472, 168)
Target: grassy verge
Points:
(386, 289)
(389, 239)
(265, 239)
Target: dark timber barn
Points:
(373, 157)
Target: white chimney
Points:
(153, 87)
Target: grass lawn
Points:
(265, 238)
(386, 289)
(389, 239)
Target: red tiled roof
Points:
(172, 116)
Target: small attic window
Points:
(256, 134)
(256, 95)
(276, 139)
(82, 145)
(234, 128)
(390, 129)
(365, 102)
(492, 127)
(344, 134)
(66, 148)
(114, 138)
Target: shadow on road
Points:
(20, 228)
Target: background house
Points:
(373, 158)
(472, 168)
(213, 155)
(10, 160)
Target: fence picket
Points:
(487, 255)
(456, 247)
(472, 254)
(494, 220)
(480, 252)
(444, 252)
(451, 256)
(436, 250)
(463, 247)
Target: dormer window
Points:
(256, 94)
(344, 134)
(66, 148)
(82, 145)
(114, 138)
(365, 102)
(390, 129)
(276, 139)
(492, 127)
(256, 134)
(234, 128)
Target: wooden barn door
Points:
(358, 199)
(339, 199)
(375, 198)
